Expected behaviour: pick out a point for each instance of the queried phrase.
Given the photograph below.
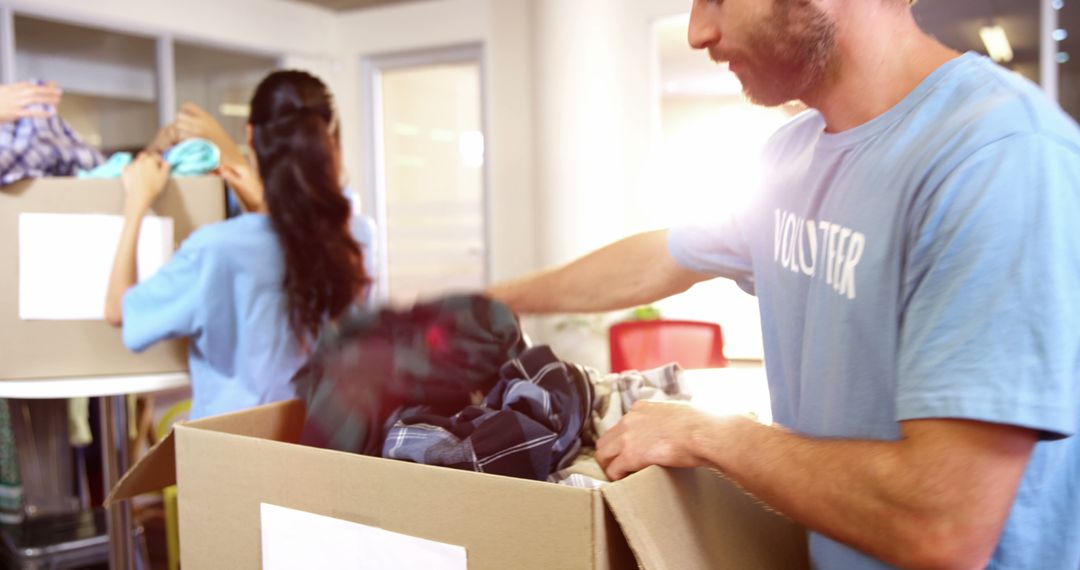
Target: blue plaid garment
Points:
(371, 363)
(36, 147)
(529, 426)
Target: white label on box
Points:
(65, 261)
(295, 540)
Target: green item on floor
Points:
(11, 489)
(79, 433)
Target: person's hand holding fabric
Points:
(654, 433)
(245, 181)
(165, 139)
(144, 180)
(192, 122)
(195, 122)
(17, 99)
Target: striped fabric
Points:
(36, 147)
(529, 425)
(372, 363)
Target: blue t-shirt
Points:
(925, 264)
(223, 290)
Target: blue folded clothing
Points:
(111, 168)
(193, 157)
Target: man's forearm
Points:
(907, 505)
(627, 273)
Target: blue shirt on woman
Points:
(223, 291)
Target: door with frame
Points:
(427, 184)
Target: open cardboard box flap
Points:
(281, 421)
(671, 518)
(155, 471)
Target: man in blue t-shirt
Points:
(918, 273)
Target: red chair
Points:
(641, 345)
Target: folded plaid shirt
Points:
(616, 394)
(662, 383)
(371, 363)
(529, 425)
(37, 147)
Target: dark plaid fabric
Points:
(529, 425)
(46, 146)
(371, 363)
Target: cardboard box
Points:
(30, 349)
(228, 466)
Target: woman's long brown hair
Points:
(296, 142)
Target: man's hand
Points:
(144, 180)
(17, 97)
(653, 433)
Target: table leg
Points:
(114, 461)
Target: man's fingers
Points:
(39, 94)
(611, 435)
(46, 95)
(33, 114)
(606, 453)
(39, 99)
(617, 469)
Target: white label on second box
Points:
(294, 540)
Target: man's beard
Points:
(787, 58)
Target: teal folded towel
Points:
(110, 168)
(193, 157)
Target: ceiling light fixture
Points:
(997, 43)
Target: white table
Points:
(92, 387)
(114, 428)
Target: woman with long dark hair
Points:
(250, 293)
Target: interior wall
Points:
(597, 113)
(569, 86)
(597, 119)
(297, 34)
(502, 26)
(260, 25)
(572, 113)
